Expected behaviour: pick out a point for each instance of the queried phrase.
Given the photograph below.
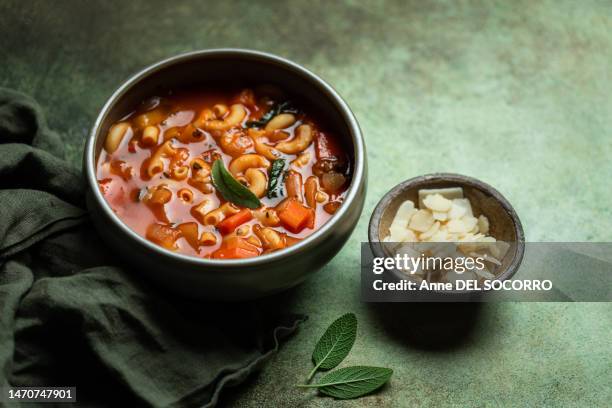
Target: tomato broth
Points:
(157, 171)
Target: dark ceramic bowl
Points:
(238, 279)
(485, 200)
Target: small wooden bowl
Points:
(504, 223)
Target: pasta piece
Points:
(208, 238)
(200, 176)
(235, 143)
(185, 194)
(303, 138)
(151, 118)
(156, 164)
(180, 173)
(160, 195)
(257, 181)
(191, 134)
(219, 110)
(253, 240)
(214, 217)
(200, 210)
(115, 135)
(271, 239)
(261, 147)
(237, 113)
(293, 185)
(267, 216)
(150, 136)
(243, 230)
(280, 121)
(240, 164)
(302, 160)
(311, 187)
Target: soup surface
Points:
(224, 174)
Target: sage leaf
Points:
(352, 382)
(335, 343)
(283, 107)
(274, 177)
(231, 189)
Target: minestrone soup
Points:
(223, 174)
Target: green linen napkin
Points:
(71, 316)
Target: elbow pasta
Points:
(115, 135)
(156, 164)
(247, 161)
(281, 121)
(261, 147)
(150, 135)
(155, 171)
(302, 140)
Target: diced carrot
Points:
(229, 224)
(234, 248)
(295, 217)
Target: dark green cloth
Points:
(69, 316)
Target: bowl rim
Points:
(385, 201)
(328, 91)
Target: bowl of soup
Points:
(225, 174)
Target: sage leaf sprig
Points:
(335, 343)
(347, 382)
(274, 177)
(231, 189)
(352, 382)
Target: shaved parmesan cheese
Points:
(440, 216)
(448, 193)
(399, 225)
(436, 202)
(444, 226)
(457, 211)
(405, 210)
(428, 234)
(421, 221)
(483, 224)
(457, 225)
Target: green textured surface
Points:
(516, 93)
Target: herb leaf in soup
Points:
(275, 178)
(231, 189)
(277, 109)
